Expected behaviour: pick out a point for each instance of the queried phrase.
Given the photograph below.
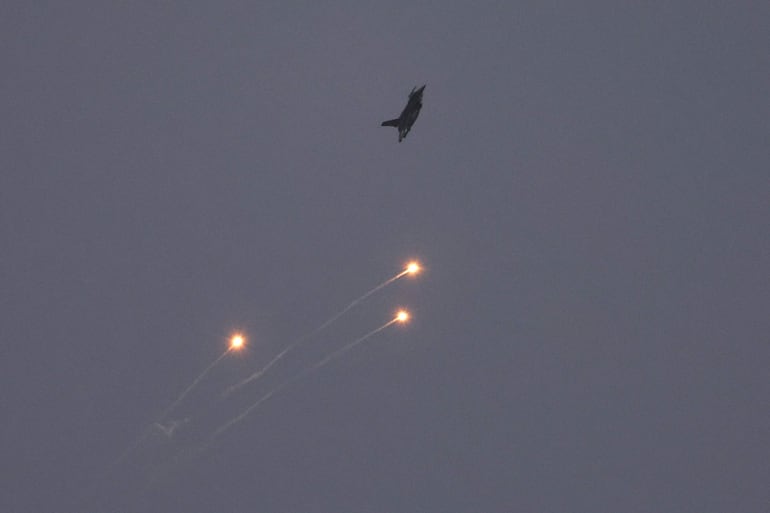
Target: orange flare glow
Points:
(413, 268)
(237, 341)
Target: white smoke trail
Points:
(169, 409)
(319, 329)
(331, 357)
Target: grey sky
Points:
(587, 184)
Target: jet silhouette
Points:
(409, 115)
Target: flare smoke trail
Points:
(187, 390)
(235, 344)
(411, 268)
(333, 356)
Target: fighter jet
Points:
(409, 115)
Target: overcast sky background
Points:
(587, 185)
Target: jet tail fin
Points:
(391, 122)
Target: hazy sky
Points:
(588, 186)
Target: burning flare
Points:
(413, 268)
(237, 342)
